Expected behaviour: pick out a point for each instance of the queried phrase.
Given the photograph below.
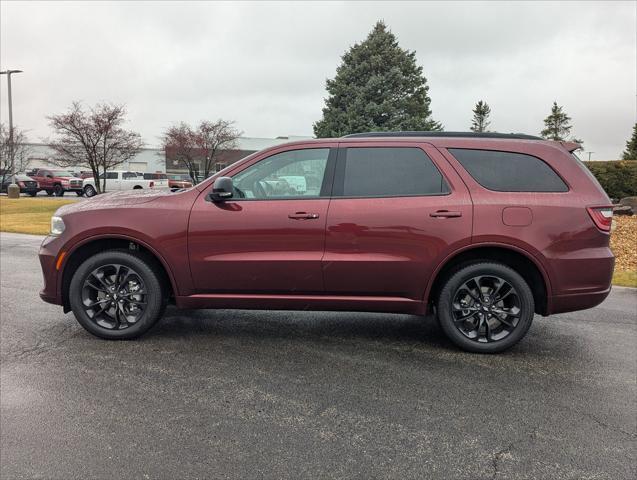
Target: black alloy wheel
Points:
(114, 296)
(117, 295)
(485, 307)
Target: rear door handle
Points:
(445, 214)
(303, 216)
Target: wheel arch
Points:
(92, 245)
(526, 265)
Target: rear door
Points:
(397, 210)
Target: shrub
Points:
(618, 178)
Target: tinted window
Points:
(110, 176)
(378, 172)
(128, 175)
(297, 173)
(509, 172)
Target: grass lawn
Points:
(28, 215)
(33, 215)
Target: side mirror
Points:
(221, 189)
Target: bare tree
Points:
(178, 143)
(21, 151)
(212, 138)
(198, 149)
(94, 138)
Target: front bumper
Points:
(49, 250)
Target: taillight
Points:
(602, 216)
(151, 184)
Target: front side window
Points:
(508, 171)
(292, 174)
(388, 172)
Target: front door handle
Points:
(445, 214)
(303, 216)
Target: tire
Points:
(32, 194)
(463, 313)
(58, 190)
(112, 323)
(89, 191)
(49, 192)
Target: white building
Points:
(152, 159)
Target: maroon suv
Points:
(483, 229)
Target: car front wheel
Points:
(89, 191)
(485, 307)
(58, 190)
(117, 295)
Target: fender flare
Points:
(118, 236)
(475, 246)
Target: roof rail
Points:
(518, 136)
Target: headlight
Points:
(57, 226)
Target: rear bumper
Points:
(577, 301)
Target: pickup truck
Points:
(117, 180)
(57, 182)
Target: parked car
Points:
(484, 230)
(57, 182)
(177, 181)
(27, 184)
(117, 180)
(160, 179)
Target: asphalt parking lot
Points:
(237, 394)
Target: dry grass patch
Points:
(28, 215)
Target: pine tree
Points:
(631, 146)
(481, 114)
(377, 87)
(557, 124)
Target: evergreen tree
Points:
(377, 87)
(481, 114)
(631, 146)
(557, 124)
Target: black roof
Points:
(517, 136)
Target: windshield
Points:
(62, 173)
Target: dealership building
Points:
(156, 159)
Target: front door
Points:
(269, 237)
(396, 213)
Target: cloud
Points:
(264, 64)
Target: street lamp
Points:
(13, 191)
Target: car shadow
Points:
(301, 326)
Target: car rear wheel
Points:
(117, 295)
(485, 307)
(58, 190)
(89, 191)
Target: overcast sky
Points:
(264, 64)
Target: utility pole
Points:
(13, 191)
(589, 155)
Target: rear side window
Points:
(509, 172)
(388, 172)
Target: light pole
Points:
(589, 155)
(13, 191)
